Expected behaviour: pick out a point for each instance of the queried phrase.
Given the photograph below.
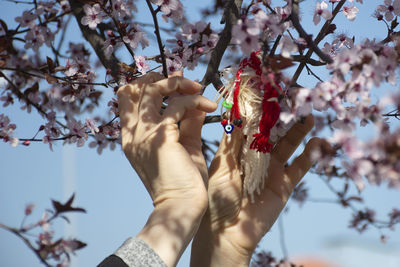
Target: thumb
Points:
(190, 137)
(227, 156)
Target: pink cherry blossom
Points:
(345, 59)
(135, 36)
(111, 43)
(77, 50)
(209, 41)
(321, 10)
(122, 8)
(91, 124)
(284, 12)
(113, 104)
(27, 19)
(304, 99)
(390, 9)
(77, 133)
(45, 7)
(71, 68)
(141, 64)
(358, 170)
(350, 12)
(287, 46)
(7, 99)
(100, 142)
(342, 40)
(174, 65)
(246, 34)
(171, 9)
(6, 130)
(192, 32)
(269, 23)
(38, 36)
(329, 49)
(64, 5)
(93, 16)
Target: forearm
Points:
(170, 228)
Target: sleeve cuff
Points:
(135, 252)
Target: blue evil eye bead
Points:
(226, 104)
(229, 128)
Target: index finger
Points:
(177, 84)
(130, 96)
(151, 100)
(293, 138)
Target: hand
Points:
(232, 226)
(167, 158)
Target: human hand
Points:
(166, 157)
(232, 226)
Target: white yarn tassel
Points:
(254, 165)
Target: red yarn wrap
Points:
(235, 107)
(270, 115)
(270, 105)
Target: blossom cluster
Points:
(346, 96)
(357, 70)
(7, 129)
(192, 42)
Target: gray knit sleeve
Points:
(136, 253)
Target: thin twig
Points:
(303, 59)
(26, 241)
(20, 2)
(128, 47)
(313, 74)
(64, 31)
(308, 38)
(378, 224)
(21, 96)
(52, 19)
(159, 41)
(64, 79)
(320, 36)
(395, 113)
(275, 46)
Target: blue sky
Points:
(117, 203)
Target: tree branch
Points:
(95, 40)
(21, 96)
(296, 24)
(231, 15)
(26, 241)
(159, 41)
(304, 59)
(320, 36)
(212, 119)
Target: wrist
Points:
(212, 248)
(170, 228)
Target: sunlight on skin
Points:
(232, 226)
(167, 159)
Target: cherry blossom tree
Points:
(64, 80)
